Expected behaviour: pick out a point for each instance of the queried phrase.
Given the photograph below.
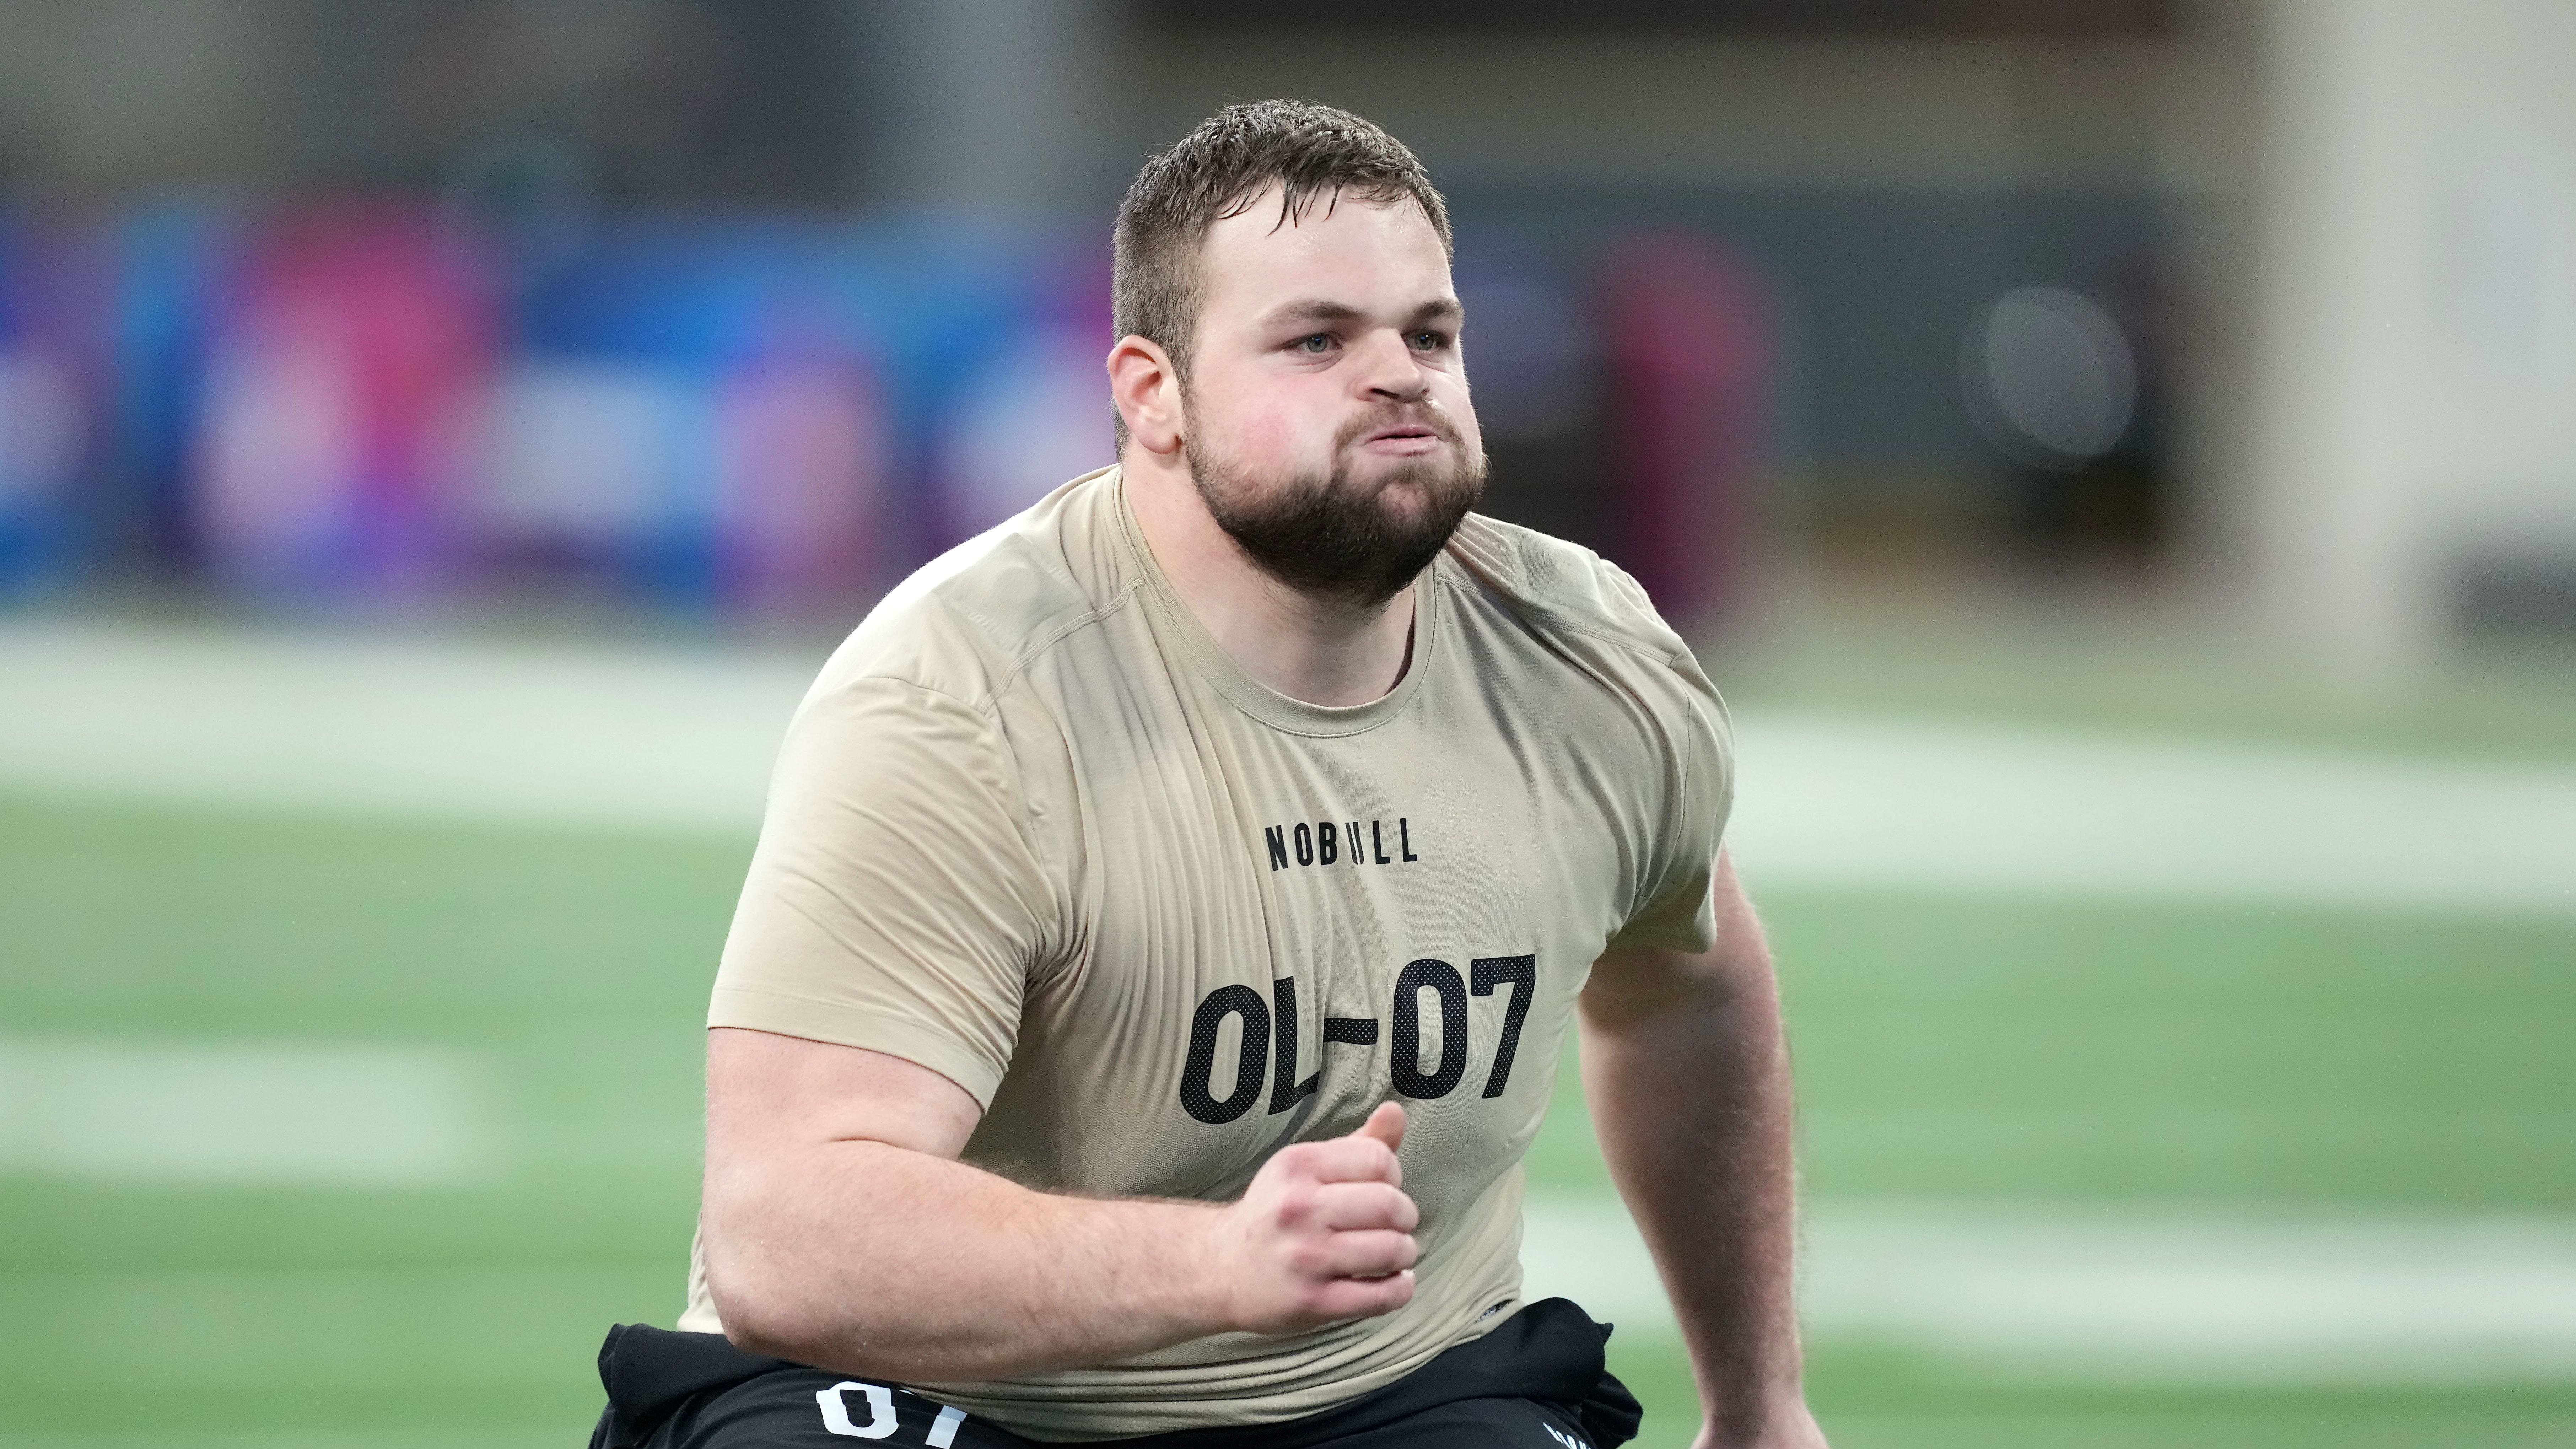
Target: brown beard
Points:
(1333, 537)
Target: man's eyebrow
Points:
(1318, 310)
(1310, 310)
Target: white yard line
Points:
(393, 725)
(2025, 810)
(682, 738)
(173, 1112)
(2151, 1292)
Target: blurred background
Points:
(2118, 457)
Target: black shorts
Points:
(1537, 1379)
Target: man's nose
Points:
(1391, 372)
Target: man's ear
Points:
(1147, 389)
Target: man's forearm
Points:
(871, 1259)
(1690, 1096)
(841, 1231)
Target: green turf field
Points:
(1948, 1048)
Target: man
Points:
(1172, 903)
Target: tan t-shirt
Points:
(1033, 829)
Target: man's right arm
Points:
(842, 1232)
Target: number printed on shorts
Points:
(877, 1400)
(1266, 1050)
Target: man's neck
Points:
(1321, 651)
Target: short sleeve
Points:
(1673, 907)
(894, 902)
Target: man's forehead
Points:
(1342, 233)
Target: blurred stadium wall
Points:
(718, 310)
(2264, 308)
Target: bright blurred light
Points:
(2049, 376)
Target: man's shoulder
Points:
(1564, 591)
(966, 623)
(1570, 618)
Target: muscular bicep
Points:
(769, 1094)
(1630, 983)
(808, 1141)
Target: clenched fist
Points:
(1324, 1233)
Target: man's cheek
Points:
(1455, 399)
(1279, 433)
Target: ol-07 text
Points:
(1269, 1049)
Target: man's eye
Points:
(1430, 341)
(1315, 343)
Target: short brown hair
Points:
(1316, 152)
